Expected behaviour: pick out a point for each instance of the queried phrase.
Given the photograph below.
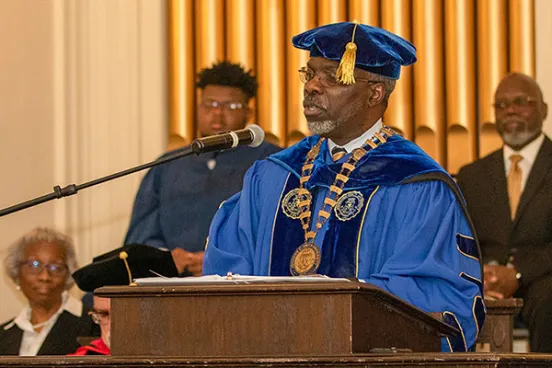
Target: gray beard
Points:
(518, 138)
(322, 127)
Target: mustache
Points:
(309, 101)
(513, 119)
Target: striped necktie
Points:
(338, 153)
(514, 184)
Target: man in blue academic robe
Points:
(356, 199)
(177, 200)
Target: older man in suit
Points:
(509, 196)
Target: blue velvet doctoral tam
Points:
(407, 236)
(177, 200)
(378, 51)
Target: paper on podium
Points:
(230, 278)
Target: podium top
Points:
(242, 289)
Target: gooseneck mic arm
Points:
(73, 189)
(253, 136)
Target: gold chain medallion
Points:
(305, 260)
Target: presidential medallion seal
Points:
(349, 205)
(290, 203)
(305, 260)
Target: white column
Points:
(26, 126)
(115, 110)
(84, 94)
(543, 17)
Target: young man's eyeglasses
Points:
(225, 106)
(99, 316)
(327, 77)
(36, 267)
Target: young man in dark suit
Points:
(509, 197)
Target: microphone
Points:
(252, 135)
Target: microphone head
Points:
(258, 135)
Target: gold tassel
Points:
(346, 70)
(123, 256)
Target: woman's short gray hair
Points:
(41, 235)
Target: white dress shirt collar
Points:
(32, 340)
(358, 142)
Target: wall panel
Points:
(240, 32)
(299, 18)
(332, 11)
(461, 125)
(396, 17)
(522, 36)
(181, 72)
(492, 65)
(365, 11)
(271, 69)
(429, 102)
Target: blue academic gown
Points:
(409, 237)
(176, 201)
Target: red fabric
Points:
(96, 347)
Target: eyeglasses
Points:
(327, 77)
(518, 102)
(225, 106)
(99, 316)
(36, 267)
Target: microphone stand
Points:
(73, 189)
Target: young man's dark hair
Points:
(228, 74)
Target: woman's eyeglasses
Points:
(36, 267)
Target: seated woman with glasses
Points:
(40, 264)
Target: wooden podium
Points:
(266, 319)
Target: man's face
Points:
(519, 111)
(338, 110)
(102, 315)
(222, 109)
